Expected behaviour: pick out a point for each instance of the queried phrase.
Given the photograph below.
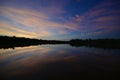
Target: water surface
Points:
(59, 62)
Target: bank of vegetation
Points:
(11, 42)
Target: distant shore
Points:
(11, 42)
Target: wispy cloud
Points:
(9, 29)
(99, 20)
(50, 19)
(33, 23)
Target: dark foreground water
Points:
(59, 62)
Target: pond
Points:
(59, 62)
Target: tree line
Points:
(11, 42)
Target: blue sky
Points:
(60, 19)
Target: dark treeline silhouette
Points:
(11, 42)
(98, 43)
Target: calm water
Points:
(59, 62)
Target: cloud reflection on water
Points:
(57, 60)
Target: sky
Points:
(60, 19)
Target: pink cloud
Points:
(38, 23)
(62, 32)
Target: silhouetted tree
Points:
(11, 42)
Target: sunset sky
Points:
(60, 19)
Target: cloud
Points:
(106, 19)
(100, 20)
(63, 32)
(33, 23)
(48, 20)
(10, 30)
